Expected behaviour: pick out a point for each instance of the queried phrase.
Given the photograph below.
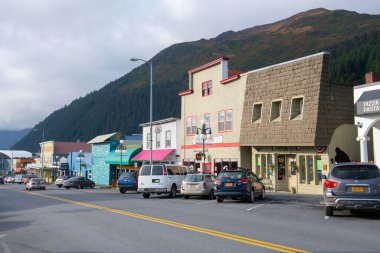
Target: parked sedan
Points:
(10, 180)
(35, 183)
(127, 181)
(60, 180)
(2, 180)
(238, 183)
(78, 182)
(352, 186)
(198, 185)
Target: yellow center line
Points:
(211, 232)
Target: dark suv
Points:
(352, 186)
(238, 183)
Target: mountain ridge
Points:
(123, 104)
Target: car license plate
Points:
(357, 189)
(155, 180)
(229, 184)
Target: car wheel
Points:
(173, 192)
(186, 196)
(26, 189)
(43, 188)
(211, 194)
(251, 198)
(81, 186)
(262, 196)
(59, 186)
(329, 211)
(92, 186)
(67, 187)
(123, 191)
(146, 195)
(219, 199)
(30, 189)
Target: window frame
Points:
(300, 115)
(207, 88)
(224, 130)
(207, 122)
(148, 143)
(258, 120)
(192, 129)
(166, 139)
(278, 118)
(158, 140)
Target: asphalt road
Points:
(103, 220)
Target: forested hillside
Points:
(353, 40)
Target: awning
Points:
(158, 155)
(114, 156)
(368, 103)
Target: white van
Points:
(161, 178)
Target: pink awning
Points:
(158, 155)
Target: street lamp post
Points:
(121, 154)
(150, 106)
(203, 133)
(80, 156)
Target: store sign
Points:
(368, 102)
(368, 107)
(215, 139)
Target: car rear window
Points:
(127, 174)
(232, 174)
(157, 171)
(145, 170)
(194, 178)
(356, 172)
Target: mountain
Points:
(353, 40)
(9, 138)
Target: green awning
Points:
(114, 156)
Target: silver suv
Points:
(352, 186)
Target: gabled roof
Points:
(16, 153)
(102, 138)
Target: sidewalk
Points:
(289, 197)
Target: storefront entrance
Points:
(282, 174)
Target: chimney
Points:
(371, 77)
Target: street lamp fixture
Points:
(150, 106)
(204, 133)
(121, 154)
(80, 156)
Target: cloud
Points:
(52, 52)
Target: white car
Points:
(35, 183)
(19, 179)
(161, 178)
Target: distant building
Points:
(165, 142)
(52, 152)
(102, 145)
(14, 161)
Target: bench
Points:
(268, 184)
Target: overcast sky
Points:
(53, 51)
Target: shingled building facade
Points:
(293, 119)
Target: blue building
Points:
(74, 159)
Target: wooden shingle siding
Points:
(325, 105)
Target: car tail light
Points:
(217, 181)
(378, 184)
(243, 180)
(204, 185)
(165, 172)
(134, 179)
(331, 184)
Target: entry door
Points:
(292, 173)
(282, 174)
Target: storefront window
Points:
(302, 170)
(263, 166)
(310, 169)
(318, 163)
(270, 165)
(258, 165)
